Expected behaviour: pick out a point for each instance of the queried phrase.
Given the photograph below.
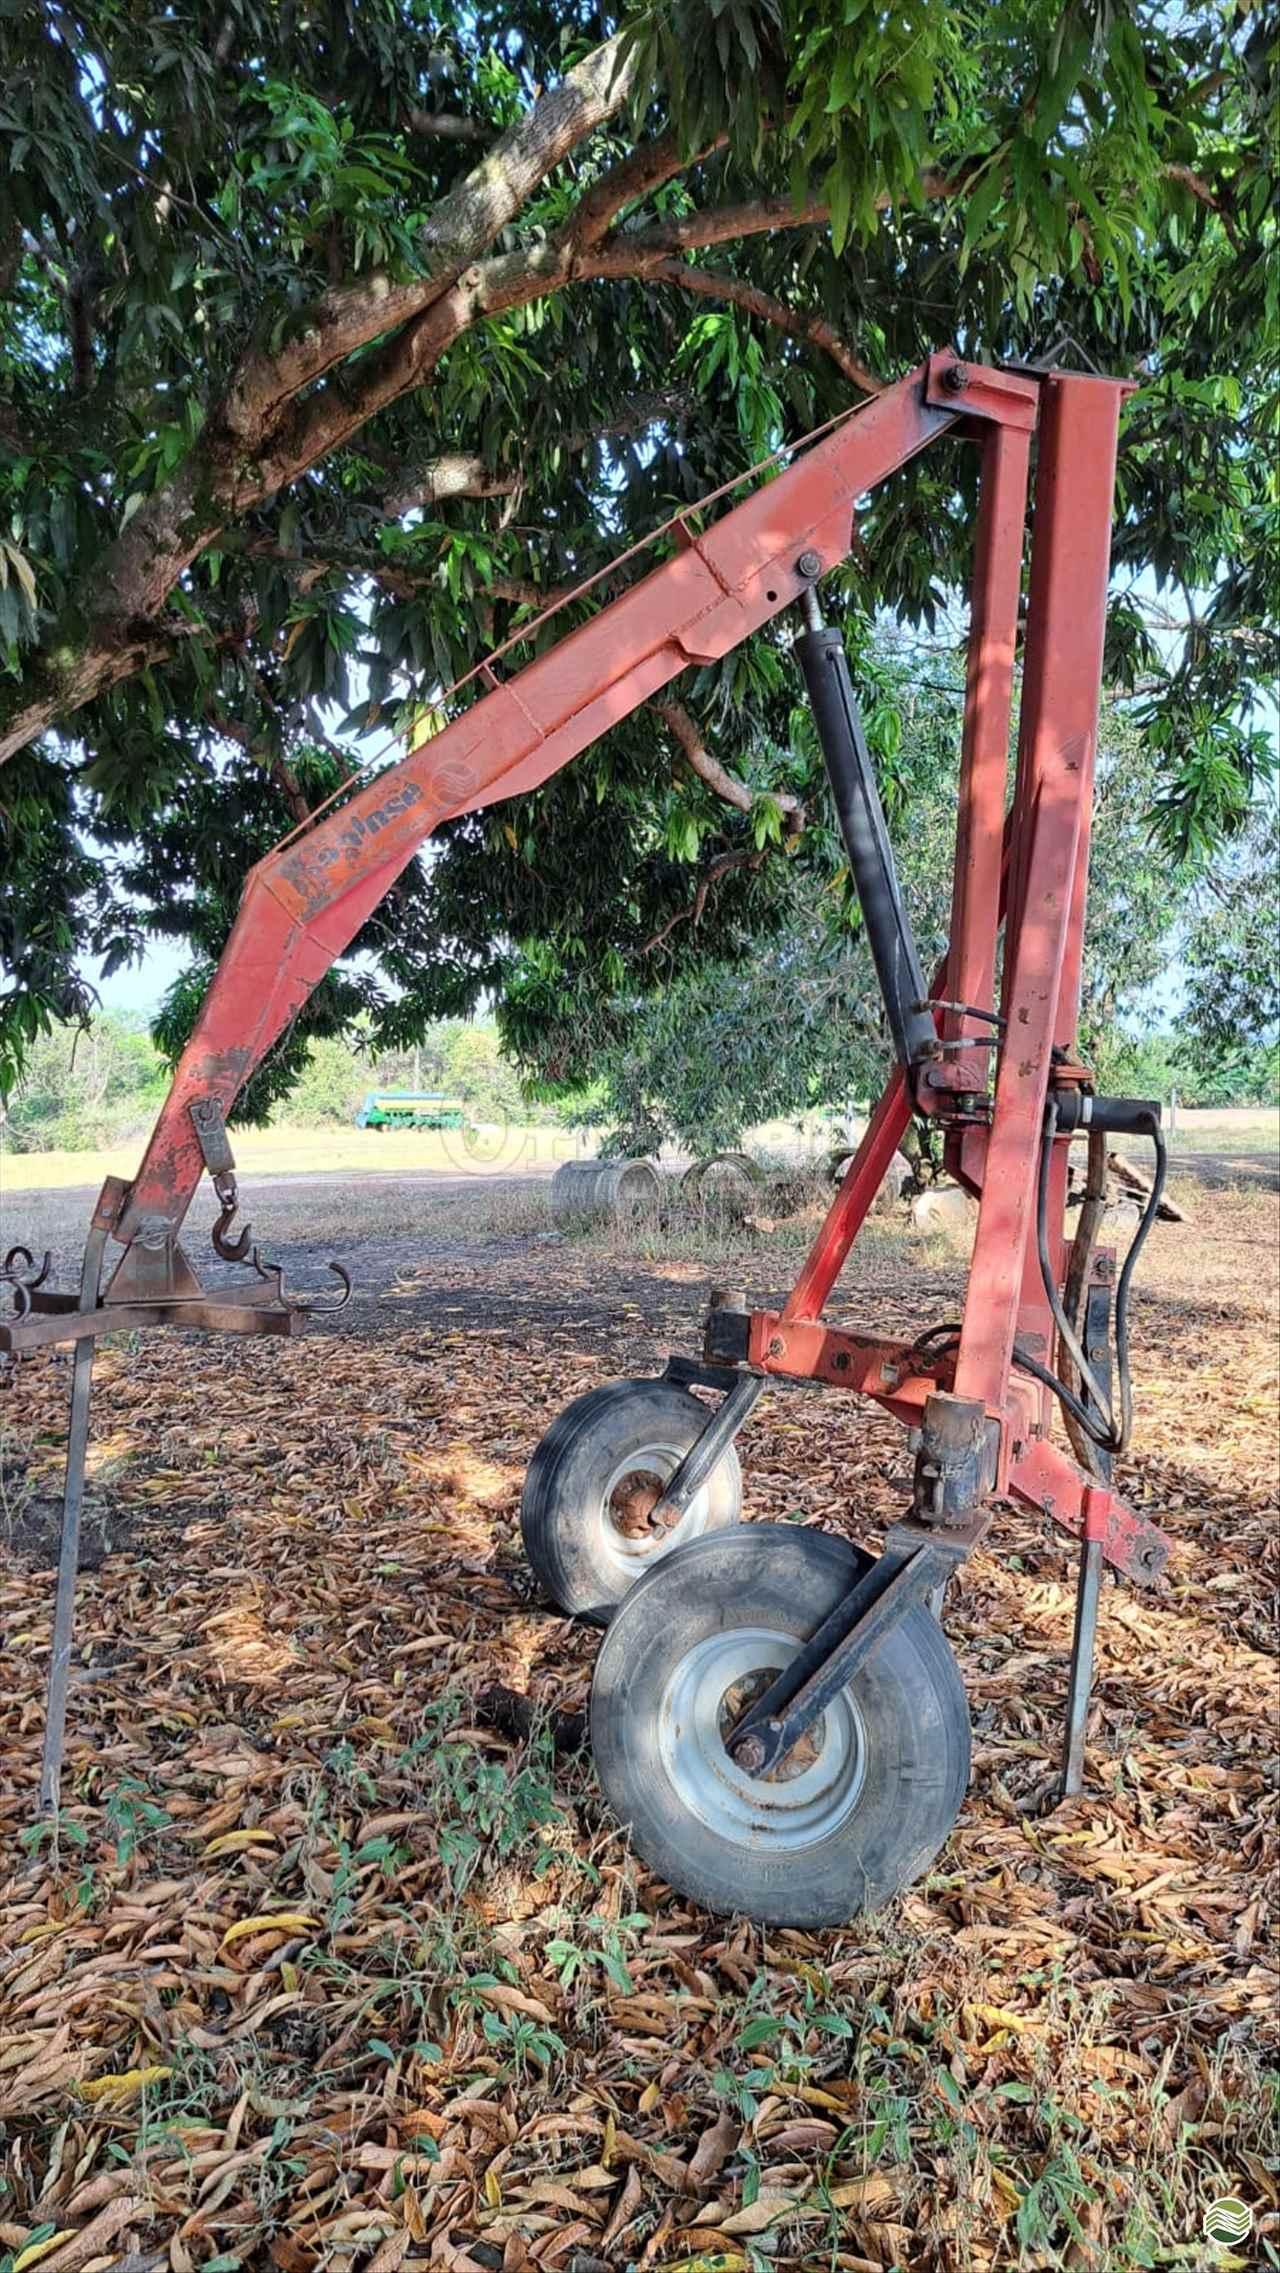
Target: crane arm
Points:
(306, 901)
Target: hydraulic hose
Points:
(1112, 1436)
(1103, 1427)
(1088, 1452)
(936, 1339)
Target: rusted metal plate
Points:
(18, 1337)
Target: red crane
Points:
(838, 1735)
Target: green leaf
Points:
(980, 205)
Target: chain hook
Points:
(231, 1250)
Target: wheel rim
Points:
(626, 1552)
(807, 1798)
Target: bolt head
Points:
(955, 378)
(809, 565)
(749, 1755)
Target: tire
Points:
(832, 1834)
(585, 1541)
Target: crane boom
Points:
(305, 902)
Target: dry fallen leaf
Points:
(126, 2085)
(317, 1571)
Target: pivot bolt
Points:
(749, 1754)
(955, 378)
(809, 565)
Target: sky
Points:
(142, 986)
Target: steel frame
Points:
(1025, 867)
(1034, 861)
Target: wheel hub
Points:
(808, 1794)
(627, 1536)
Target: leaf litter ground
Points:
(321, 1970)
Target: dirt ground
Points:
(320, 1970)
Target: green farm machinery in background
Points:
(411, 1109)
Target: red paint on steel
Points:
(1097, 1502)
(858, 1187)
(844, 1218)
(880, 1139)
(1006, 1210)
(802, 1349)
(304, 903)
(1044, 1478)
(1081, 474)
(1003, 397)
(984, 759)
(1066, 609)
(1061, 678)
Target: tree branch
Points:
(458, 475)
(460, 228)
(718, 224)
(272, 763)
(798, 323)
(453, 474)
(261, 436)
(634, 177)
(330, 414)
(693, 913)
(447, 126)
(676, 718)
(1199, 188)
(396, 577)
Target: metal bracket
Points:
(209, 1123)
(981, 392)
(726, 1340)
(916, 1561)
(956, 1463)
(707, 1448)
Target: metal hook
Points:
(18, 1272)
(231, 1250)
(273, 1275)
(341, 1299)
(20, 1263)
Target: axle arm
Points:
(305, 903)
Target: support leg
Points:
(64, 1608)
(1097, 1342)
(1080, 1680)
(702, 1456)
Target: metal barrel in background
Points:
(604, 1191)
